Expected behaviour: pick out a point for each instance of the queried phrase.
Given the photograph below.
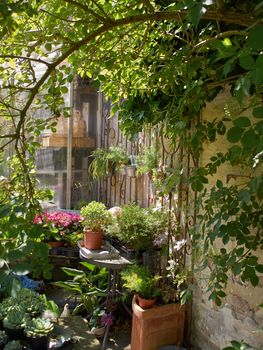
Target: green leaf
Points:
(259, 268)
(234, 153)
(240, 251)
(242, 122)
(247, 62)
(218, 301)
(258, 6)
(22, 269)
(73, 272)
(254, 280)
(70, 78)
(244, 196)
(227, 42)
(195, 14)
(257, 75)
(64, 89)
(197, 185)
(258, 112)
(234, 134)
(255, 36)
(48, 47)
(219, 184)
(249, 139)
(89, 266)
(236, 268)
(221, 294)
(5, 210)
(242, 88)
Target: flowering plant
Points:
(107, 319)
(59, 226)
(100, 318)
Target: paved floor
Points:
(119, 341)
(119, 336)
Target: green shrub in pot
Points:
(3, 312)
(147, 161)
(13, 345)
(5, 306)
(132, 228)
(138, 227)
(95, 217)
(38, 332)
(3, 338)
(138, 279)
(38, 327)
(15, 320)
(34, 307)
(30, 301)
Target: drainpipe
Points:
(69, 147)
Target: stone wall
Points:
(239, 317)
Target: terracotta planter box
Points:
(160, 325)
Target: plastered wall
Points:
(239, 317)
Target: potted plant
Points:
(147, 161)
(30, 301)
(38, 332)
(137, 227)
(107, 161)
(15, 321)
(130, 168)
(95, 218)
(13, 345)
(163, 324)
(139, 280)
(99, 320)
(4, 307)
(3, 339)
(58, 226)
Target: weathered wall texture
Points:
(239, 317)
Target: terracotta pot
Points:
(56, 244)
(160, 325)
(98, 331)
(92, 239)
(145, 303)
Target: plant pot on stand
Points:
(93, 239)
(95, 218)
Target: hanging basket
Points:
(130, 170)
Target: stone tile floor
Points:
(119, 336)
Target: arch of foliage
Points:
(165, 59)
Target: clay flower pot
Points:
(145, 303)
(98, 331)
(93, 240)
(56, 244)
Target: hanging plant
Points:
(107, 161)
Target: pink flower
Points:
(61, 220)
(107, 319)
